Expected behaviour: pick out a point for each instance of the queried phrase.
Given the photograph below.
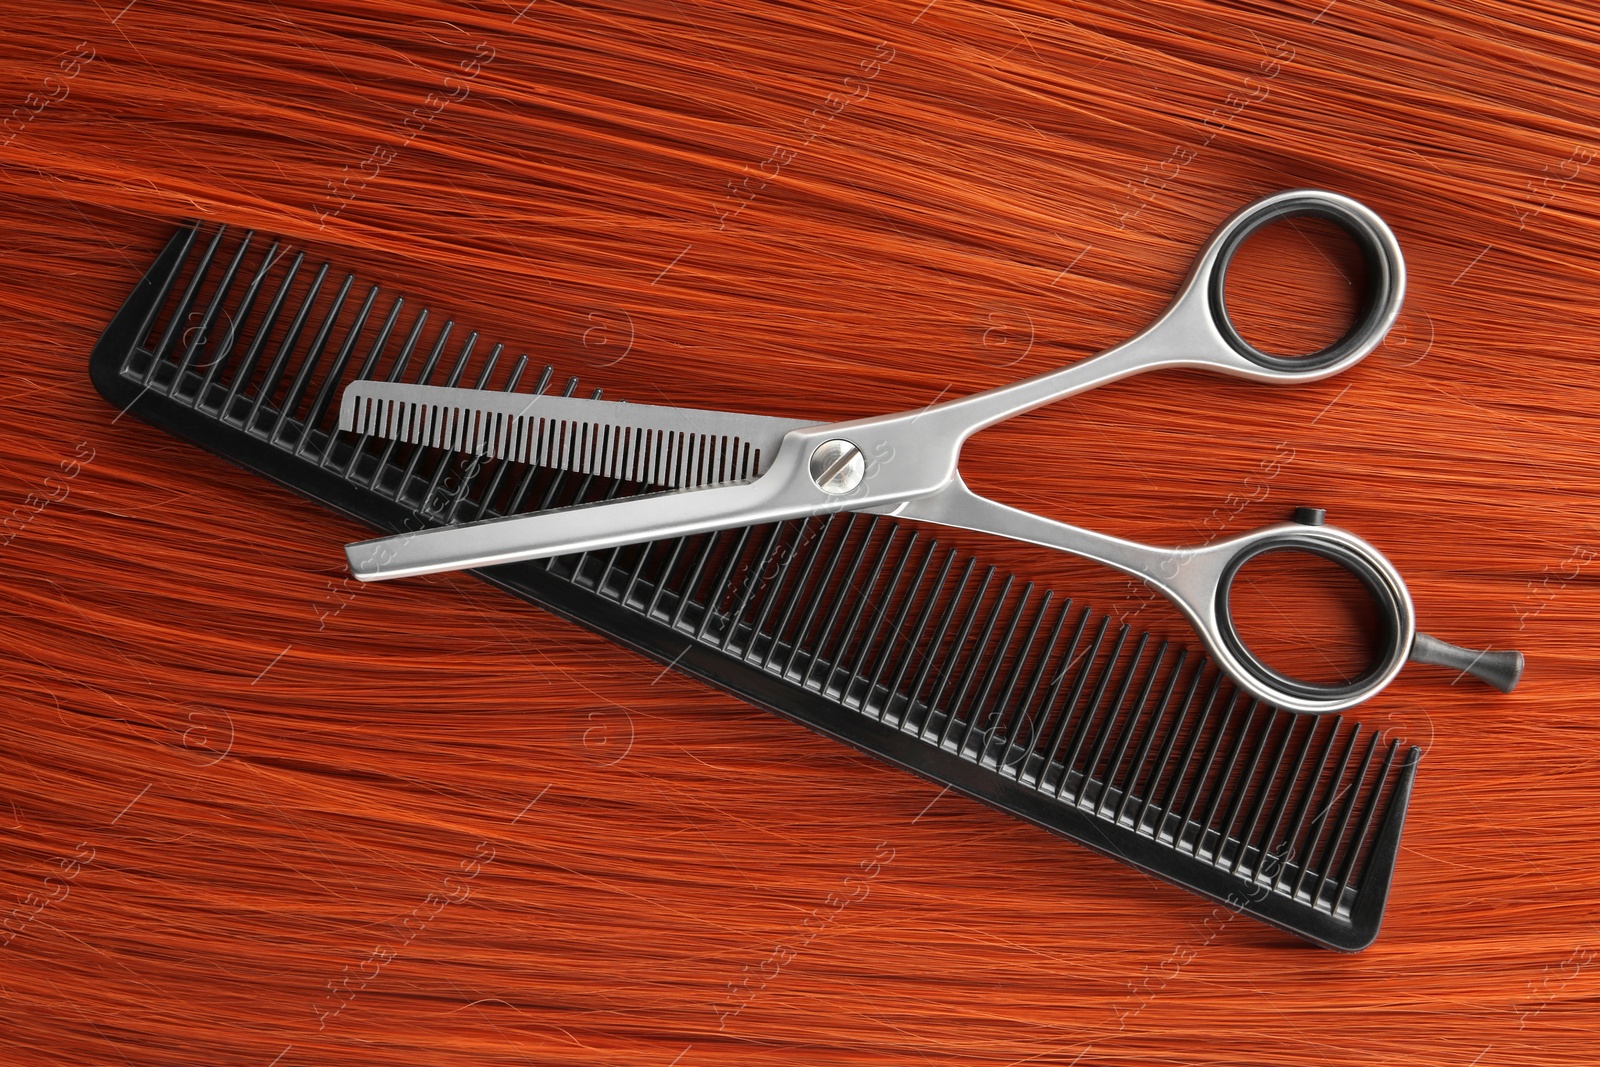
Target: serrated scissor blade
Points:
(678, 448)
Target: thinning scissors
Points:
(732, 470)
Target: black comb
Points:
(856, 626)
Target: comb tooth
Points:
(1198, 787)
(286, 349)
(719, 587)
(1022, 716)
(909, 648)
(775, 586)
(202, 336)
(355, 400)
(930, 654)
(1317, 808)
(863, 601)
(1307, 790)
(906, 596)
(1130, 729)
(1285, 793)
(1070, 707)
(221, 359)
(979, 655)
(1268, 780)
(665, 577)
(1243, 789)
(1108, 725)
(848, 591)
(1130, 784)
(1058, 673)
(687, 594)
(1331, 851)
(753, 580)
(934, 653)
(636, 576)
(246, 370)
(1176, 782)
(797, 591)
(616, 553)
(1091, 712)
(1220, 788)
(402, 361)
(510, 430)
(1367, 815)
(180, 313)
(314, 353)
(980, 703)
(164, 274)
(835, 555)
(429, 365)
(1003, 705)
(443, 422)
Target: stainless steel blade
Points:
(678, 448)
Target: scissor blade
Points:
(583, 528)
(677, 448)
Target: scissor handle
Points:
(1204, 294)
(1195, 330)
(1396, 621)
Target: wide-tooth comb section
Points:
(860, 627)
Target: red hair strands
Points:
(254, 812)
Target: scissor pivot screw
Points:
(837, 466)
(1310, 516)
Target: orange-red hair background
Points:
(230, 781)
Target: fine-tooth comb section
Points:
(858, 626)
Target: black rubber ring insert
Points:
(1375, 305)
(1383, 597)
